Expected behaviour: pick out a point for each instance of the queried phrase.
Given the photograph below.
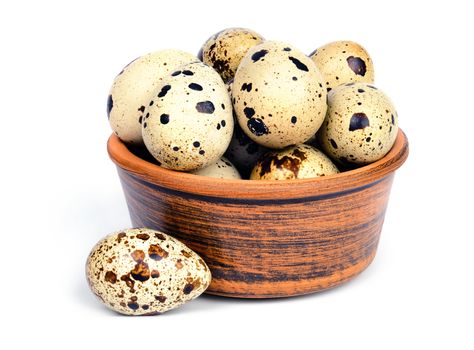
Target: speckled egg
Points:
(145, 272)
(296, 162)
(243, 152)
(361, 124)
(188, 123)
(132, 88)
(222, 169)
(343, 62)
(224, 50)
(278, 95)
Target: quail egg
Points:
(342, 62)
(145, 272)
(132, 88)
(222, 169)
(296, 162)
(361, 124)
(188, 123)
(243, 152)
(278, 95)
(224, 50)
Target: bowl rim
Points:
(258, 189)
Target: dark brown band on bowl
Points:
(253, 201)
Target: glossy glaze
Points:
(264, 239)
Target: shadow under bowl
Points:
(266, 239)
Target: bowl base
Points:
(290, 288)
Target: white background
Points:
(60, 192)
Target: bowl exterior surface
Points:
(266, 239)
(265, 248)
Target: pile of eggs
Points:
(257, 109)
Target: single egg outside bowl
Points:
(266, 238)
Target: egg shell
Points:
(311, 141)
(296, 162)
(343, 62)
(361, 124)
(188, 123)
(132, 88)
(278, 95)
(224, 50)
(243, 152)
(144, 272)
(222, 169)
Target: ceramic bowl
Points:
(266, 239)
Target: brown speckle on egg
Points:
(357, 65)
(120, 236)
(129, 282)
(185, 253)
(160, 236)
(110, 277)
(164, 90)
(160, 298)
(156, 252)
(138, 255)
(140, 272)
(188, 288)
(358, 121)
(256, 56)
(133, 305)
(143, 236)
(179, 264)
(257, 127)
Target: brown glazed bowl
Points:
(266, 239)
